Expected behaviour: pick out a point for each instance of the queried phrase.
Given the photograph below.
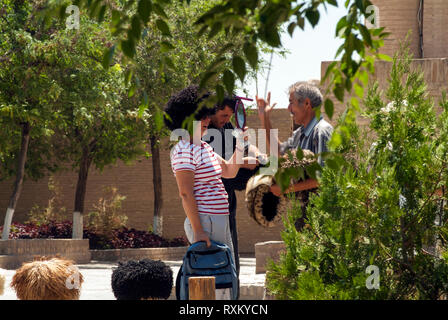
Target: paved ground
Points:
(97, 278)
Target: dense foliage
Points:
(384, 207)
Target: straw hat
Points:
(263, 206)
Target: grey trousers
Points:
(217, 227)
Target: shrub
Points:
(107, 215)
(54, 211)
(120, 238)
(382, 208)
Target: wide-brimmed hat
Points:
(263, 206)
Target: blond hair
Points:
(2, 284)
(47, 279)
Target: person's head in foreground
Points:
(304, 98)
(2, 284)
(47, 279)
(186, 103)
(142, 280)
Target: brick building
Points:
(427, 22)
(429, 44)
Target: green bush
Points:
(385, 207)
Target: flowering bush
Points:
(119, 238)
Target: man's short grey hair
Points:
(303, 90)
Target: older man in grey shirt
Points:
(313, 133)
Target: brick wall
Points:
(165, 254)
(14, 252)
(435, 24)
(435, 74)
(400, 16)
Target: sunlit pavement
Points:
(97, 280)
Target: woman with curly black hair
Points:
(142, 280)
(198, 170)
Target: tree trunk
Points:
(157, 183)
(19, 180)
(81, 187)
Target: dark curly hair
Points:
(184, 104)
(228, 101)
(143, 279)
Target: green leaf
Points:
(128, 48)
(364, 77)
(251, 53)
(136, 28)
(332, 164)
(169, 62)
(360, 5)
(291, 27)
(341, 26)
(158, 120)
(335, 140)
(107, 57)
(318, 113)
(329, 108)
(143, 106)
(102, 13)
(384, 57)
(239, 66)
(216, 27)
(339, 92)
(313, 17)
(299, 154)
(166, 46)
(127, 76)
(132, 89)
(208, 76)
(159, 10)
(220, 92)
(301, 22)
(355, 102)
(359, 91)
(312, 169)
(229, 81)
(365, 34)
(201, 31)
(273, 38)
(115, 17)
(144, 10)
(163, 27)
(214, 66)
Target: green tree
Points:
(384, 207)
(157, 80)
(98, 127)
(57, 96)
(258, 24)
(28, 97)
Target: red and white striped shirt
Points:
(209, 192)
